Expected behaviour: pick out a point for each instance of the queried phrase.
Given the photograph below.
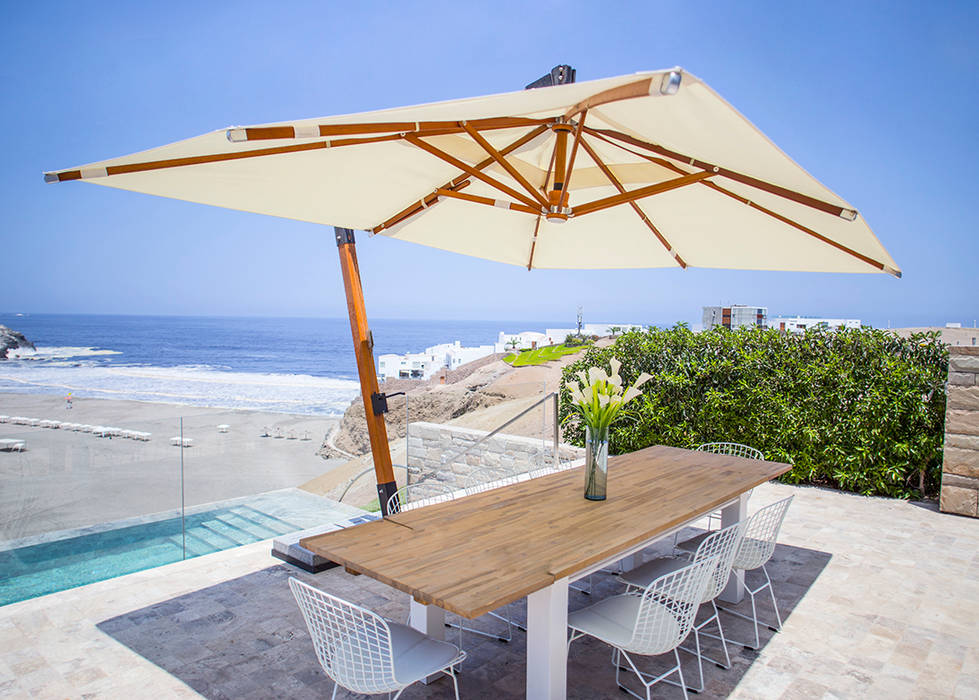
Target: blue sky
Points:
(879, 101)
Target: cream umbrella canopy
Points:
(646, 170)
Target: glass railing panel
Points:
(513, 439)
(82, 481)
(249, 476)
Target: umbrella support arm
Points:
(364, 350)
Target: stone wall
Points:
(960, 468)
(429, 444)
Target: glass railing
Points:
(82, 485)
(106, 488)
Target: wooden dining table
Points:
(533, 538)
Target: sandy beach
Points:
(69, 479)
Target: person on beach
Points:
(68, 402)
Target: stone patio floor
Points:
(880, 600)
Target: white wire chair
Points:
(722, 545)
(647, 622)
(756, 548)
(423, 493)
(365, 653)
(733, 449)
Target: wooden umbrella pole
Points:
(374, 403)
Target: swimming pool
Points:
(28, 572)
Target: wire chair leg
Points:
(679, 670)
(617, 655)
(720, 631)
(753, 618)
(715, 618)
(771, 590)
(336, 687)
(700, 660)
(455, 681)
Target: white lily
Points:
(630, 393)
(597, 374)
(599, 396)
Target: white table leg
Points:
(547, 642)
(731, 514)
(430, 620)
(630, 562)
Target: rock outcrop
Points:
(10, 339)
(428, 402)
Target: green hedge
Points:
(860, 410)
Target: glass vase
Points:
(596, 462)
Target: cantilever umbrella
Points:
(638, 171)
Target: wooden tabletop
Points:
(474, 554)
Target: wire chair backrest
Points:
(423, 493)
(487, 478)
(669, 605)
(352, 643)
(724, 545)
(760, 535)
(735, 449)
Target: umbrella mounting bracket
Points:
(379, 401)
(344, 235)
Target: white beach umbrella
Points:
(646, 170)
(639, 171)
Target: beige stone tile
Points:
(804, 689)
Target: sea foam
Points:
(197, 385)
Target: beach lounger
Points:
(175, 441)
(10, 444)
(223, 428)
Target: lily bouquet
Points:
(598, 397)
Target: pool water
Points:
(28, 572)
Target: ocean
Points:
(285, 365)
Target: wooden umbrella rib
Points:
(501, 204)
(533, 242)
(259, 133)
(640, 193)
(419, 206)
(639, 88)
(415, 208)
(127, 168)
(194, 160)
(465, 167)
(778, 190)
(796, 225)
(635, 207)
(504, 163)
(754, 205)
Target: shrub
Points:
(860, 410)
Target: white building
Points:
(423, 365)
(525, 339)
(735, 316)
(799, 324)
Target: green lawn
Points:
(541, 355)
